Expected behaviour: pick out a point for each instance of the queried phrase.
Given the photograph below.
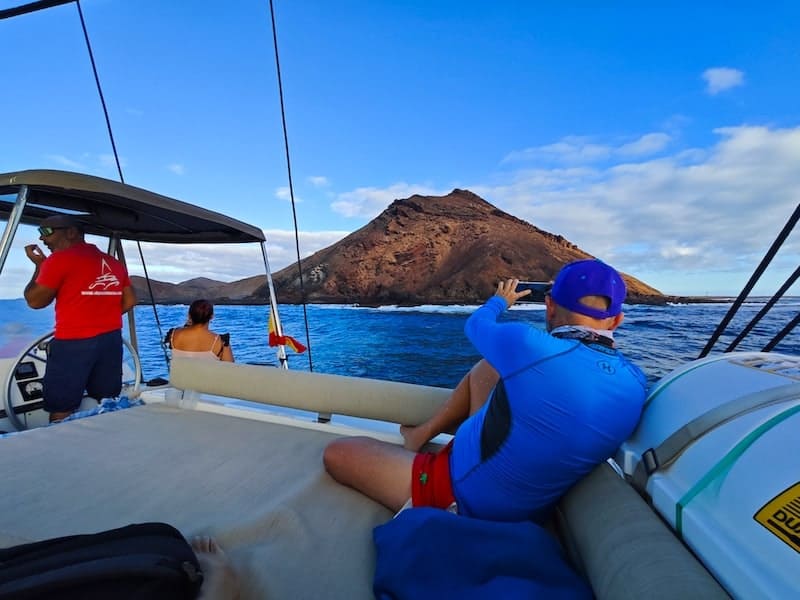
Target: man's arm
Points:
(128, 299)
(36, 295)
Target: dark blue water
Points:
(420, 345)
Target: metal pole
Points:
(12, 224)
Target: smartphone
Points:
(538, 290)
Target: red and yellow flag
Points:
(284, 340)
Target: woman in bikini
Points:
(196, 340)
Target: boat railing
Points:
(743, 295)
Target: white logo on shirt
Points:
(105, 280)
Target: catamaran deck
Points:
(258, 487)
(255, 481)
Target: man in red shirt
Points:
(92, 290)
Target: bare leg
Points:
(219, 578)
(377, 469)
(468, 397)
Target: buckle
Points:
(650, 461)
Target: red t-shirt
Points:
(88, 286)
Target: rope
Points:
(153, 304)
(787, 229)
(100, 90)
(772, 301)
(782, 334)
(119, 168)
(291, 185)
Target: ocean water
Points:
(423, 344)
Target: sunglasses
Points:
(46, 231)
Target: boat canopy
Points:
(109, 208)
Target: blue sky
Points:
(664, 140)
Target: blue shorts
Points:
(93, 365)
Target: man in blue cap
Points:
(539, 412)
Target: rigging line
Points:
(782, 333)
(119, 165)
(291, 185)
(24, 9)
(765, 309)
(773, 249)
(162, 342)
(99, 90)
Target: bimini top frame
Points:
(112, 209)
(119, 211)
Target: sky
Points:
(663, 139)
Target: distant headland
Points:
(448, 249)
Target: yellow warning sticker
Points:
(781, 516)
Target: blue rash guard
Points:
(561, 407)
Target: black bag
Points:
(145, 560)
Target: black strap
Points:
(654, 459)
(585, 337)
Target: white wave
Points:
(455, 309)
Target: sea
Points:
(422, 344)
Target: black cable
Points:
(754, 321)
(782, 333)
(153, 304)
(23, 9)
(787, 229)
(291, 185)
(100, 91)
(119, 169)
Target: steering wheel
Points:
(37, 352)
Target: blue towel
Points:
(431, 553)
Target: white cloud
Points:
(368, 202)
(108, 160)
(584, 150)
(571, 149)
(65, 162)
(283, 193)
(720, 79)
(645, 145)
(710, 210)
(319, 181)
(176, 168)
(175, 263)
(701, 217)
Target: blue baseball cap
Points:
(589, 278)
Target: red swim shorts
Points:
(430, 479)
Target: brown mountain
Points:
(421, 250)
(434, 250)
(244, 291)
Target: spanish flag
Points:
(283, 340)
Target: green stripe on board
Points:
(727, 462)
(660, 389)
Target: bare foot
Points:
(414, 437)
(220, 581)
